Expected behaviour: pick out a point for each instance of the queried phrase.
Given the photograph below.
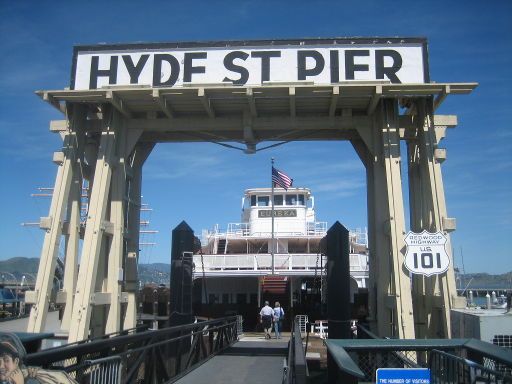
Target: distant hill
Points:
(19, 266)
(159, 273)
(485, 280)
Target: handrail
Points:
(152, 356)
(449, 367)
(49, 356)
(297, 368)
(129, 331)
(348, 354)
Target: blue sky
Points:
(469, 41)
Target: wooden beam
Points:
(334, 100)
(50, 99)
(374, 100)
(293, 109)
(252, 102)
(233, 126)
(440, 98)
(163, 103)
(206, 102)
(118, 104)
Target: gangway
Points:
(250, 360)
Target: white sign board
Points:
(426, 253)
(249, 63)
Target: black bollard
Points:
(338, 282)
(338, 292)
(181, 275)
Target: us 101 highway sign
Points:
(426, 253)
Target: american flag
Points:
(281, 179)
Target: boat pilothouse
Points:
(250, 262)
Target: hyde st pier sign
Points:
(246, 63)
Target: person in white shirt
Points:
(266, 316)
(278, 319)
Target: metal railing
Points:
(152, 356)
(317, 228)
(282, 261)
(359, 359)
(296, 369)
(105, 371)
(448, 368)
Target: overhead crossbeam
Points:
(374, 100)
(251, 102)
(117, 103)
(334, 101)
(440, 98)
(229, 100)
(162, 101)
(206, 102)
(293, 109)
(53, 102)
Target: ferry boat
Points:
(237, 269)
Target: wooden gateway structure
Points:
(124, 99)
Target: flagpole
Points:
(272, 214)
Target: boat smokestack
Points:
(488, 300)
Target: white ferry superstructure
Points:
(240, 271)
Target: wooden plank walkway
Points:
(250, 360)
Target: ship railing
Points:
(238, 229)
(317, 228)
(449, 360)
(282, 261)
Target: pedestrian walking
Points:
(266, 316)
(278, 319)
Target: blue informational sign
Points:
(403, 376)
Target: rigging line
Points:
(204, 135)
(273, 145)
(204, 285)
(228, 145)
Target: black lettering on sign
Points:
(157, 70)
(188, 68)
(350, 67)
(426, 260)
(302, 71)
(231, 66)
(390, 72)
(134, 70)
(265, 62)
(335, 66)
(278, 213)
(96, 72)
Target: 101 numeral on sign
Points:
(427, 260)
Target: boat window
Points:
(291, 199)
(213, 298)
(253, 201)
(241, 298)
(263, 201)
(278, 199)
(301, 199)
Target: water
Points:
(480, 301)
